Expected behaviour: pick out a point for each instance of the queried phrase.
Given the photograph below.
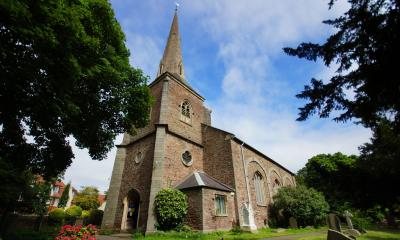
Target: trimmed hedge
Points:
(73, 211)
(56, 216)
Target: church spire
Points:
(172, 61)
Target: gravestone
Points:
(348, 216)
(351, 231)
(336, 235)
(292, 222)
(334, 222)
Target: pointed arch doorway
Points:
(130, 216)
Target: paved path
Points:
(126, 236)
(297, 236)
(119, 236)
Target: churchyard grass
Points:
(376, 234)
(263, 233)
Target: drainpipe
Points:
(252, 226)
(245, 173)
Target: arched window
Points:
(259, 187)
(275, 186)
(186, 111)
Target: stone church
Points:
(228, 182)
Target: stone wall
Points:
(137, 176)
(194, 217)
(177, 94)
(255, 161)
(217, 155)
(212, 222)
(174, 169)
(155, 90)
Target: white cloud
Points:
(250, 36)
(87, 172)
(145, 53)
(275, 133)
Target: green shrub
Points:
(377, 213)
(73, 211)
(85, 214)
(305, 204)
(170, 208)
(360, 222)
(56, 216)
(96, 216)
(236, 230)
(183, 228)
(24, 235)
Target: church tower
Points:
(163, 152)
(228, 182)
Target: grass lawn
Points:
(376, 234)
(263, 233)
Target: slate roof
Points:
(200, 179)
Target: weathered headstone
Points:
(352, 232)
(334, 222)
(293, 222)
(336, 235)
(348, 216)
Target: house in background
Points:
(57, 189)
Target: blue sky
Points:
(232, 51)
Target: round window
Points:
(138, 157)
(187, 158)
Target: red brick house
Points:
(57, 189)
(228, 182)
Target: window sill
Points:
(262, 205)
(225, 215)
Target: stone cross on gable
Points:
(348, 216)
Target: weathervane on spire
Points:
(176, 6)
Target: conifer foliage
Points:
(366, 48)
(64, 196)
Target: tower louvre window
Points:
(259, 188)
(186, 111)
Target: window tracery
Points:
(186, 111)
(259, 188)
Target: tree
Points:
(305, 204)
(64, 196)
(40, 198)
(170, 206)
(337, 176)
(366, 48)
(88, 198)
(64, 72)
(380, 160)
